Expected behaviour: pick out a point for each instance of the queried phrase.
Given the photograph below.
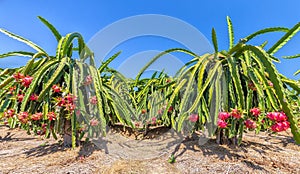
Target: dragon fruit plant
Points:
(237, 89)
(46, 95)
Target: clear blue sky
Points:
(88, 17)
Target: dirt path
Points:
(22, 153)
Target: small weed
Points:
(171, 159)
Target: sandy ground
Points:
(22, 153)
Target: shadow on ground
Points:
(44, 149)
(222, 152)
(10, 137)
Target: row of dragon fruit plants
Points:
(236, 90)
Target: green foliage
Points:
(21, 39)
(230, 32)
(214, 39)
(264, 31)
(171, 159)
(232, 81)
(47, 72)
(292, 57)
(283, 40)
(243, 65)
(52, 28)
(17, 53)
